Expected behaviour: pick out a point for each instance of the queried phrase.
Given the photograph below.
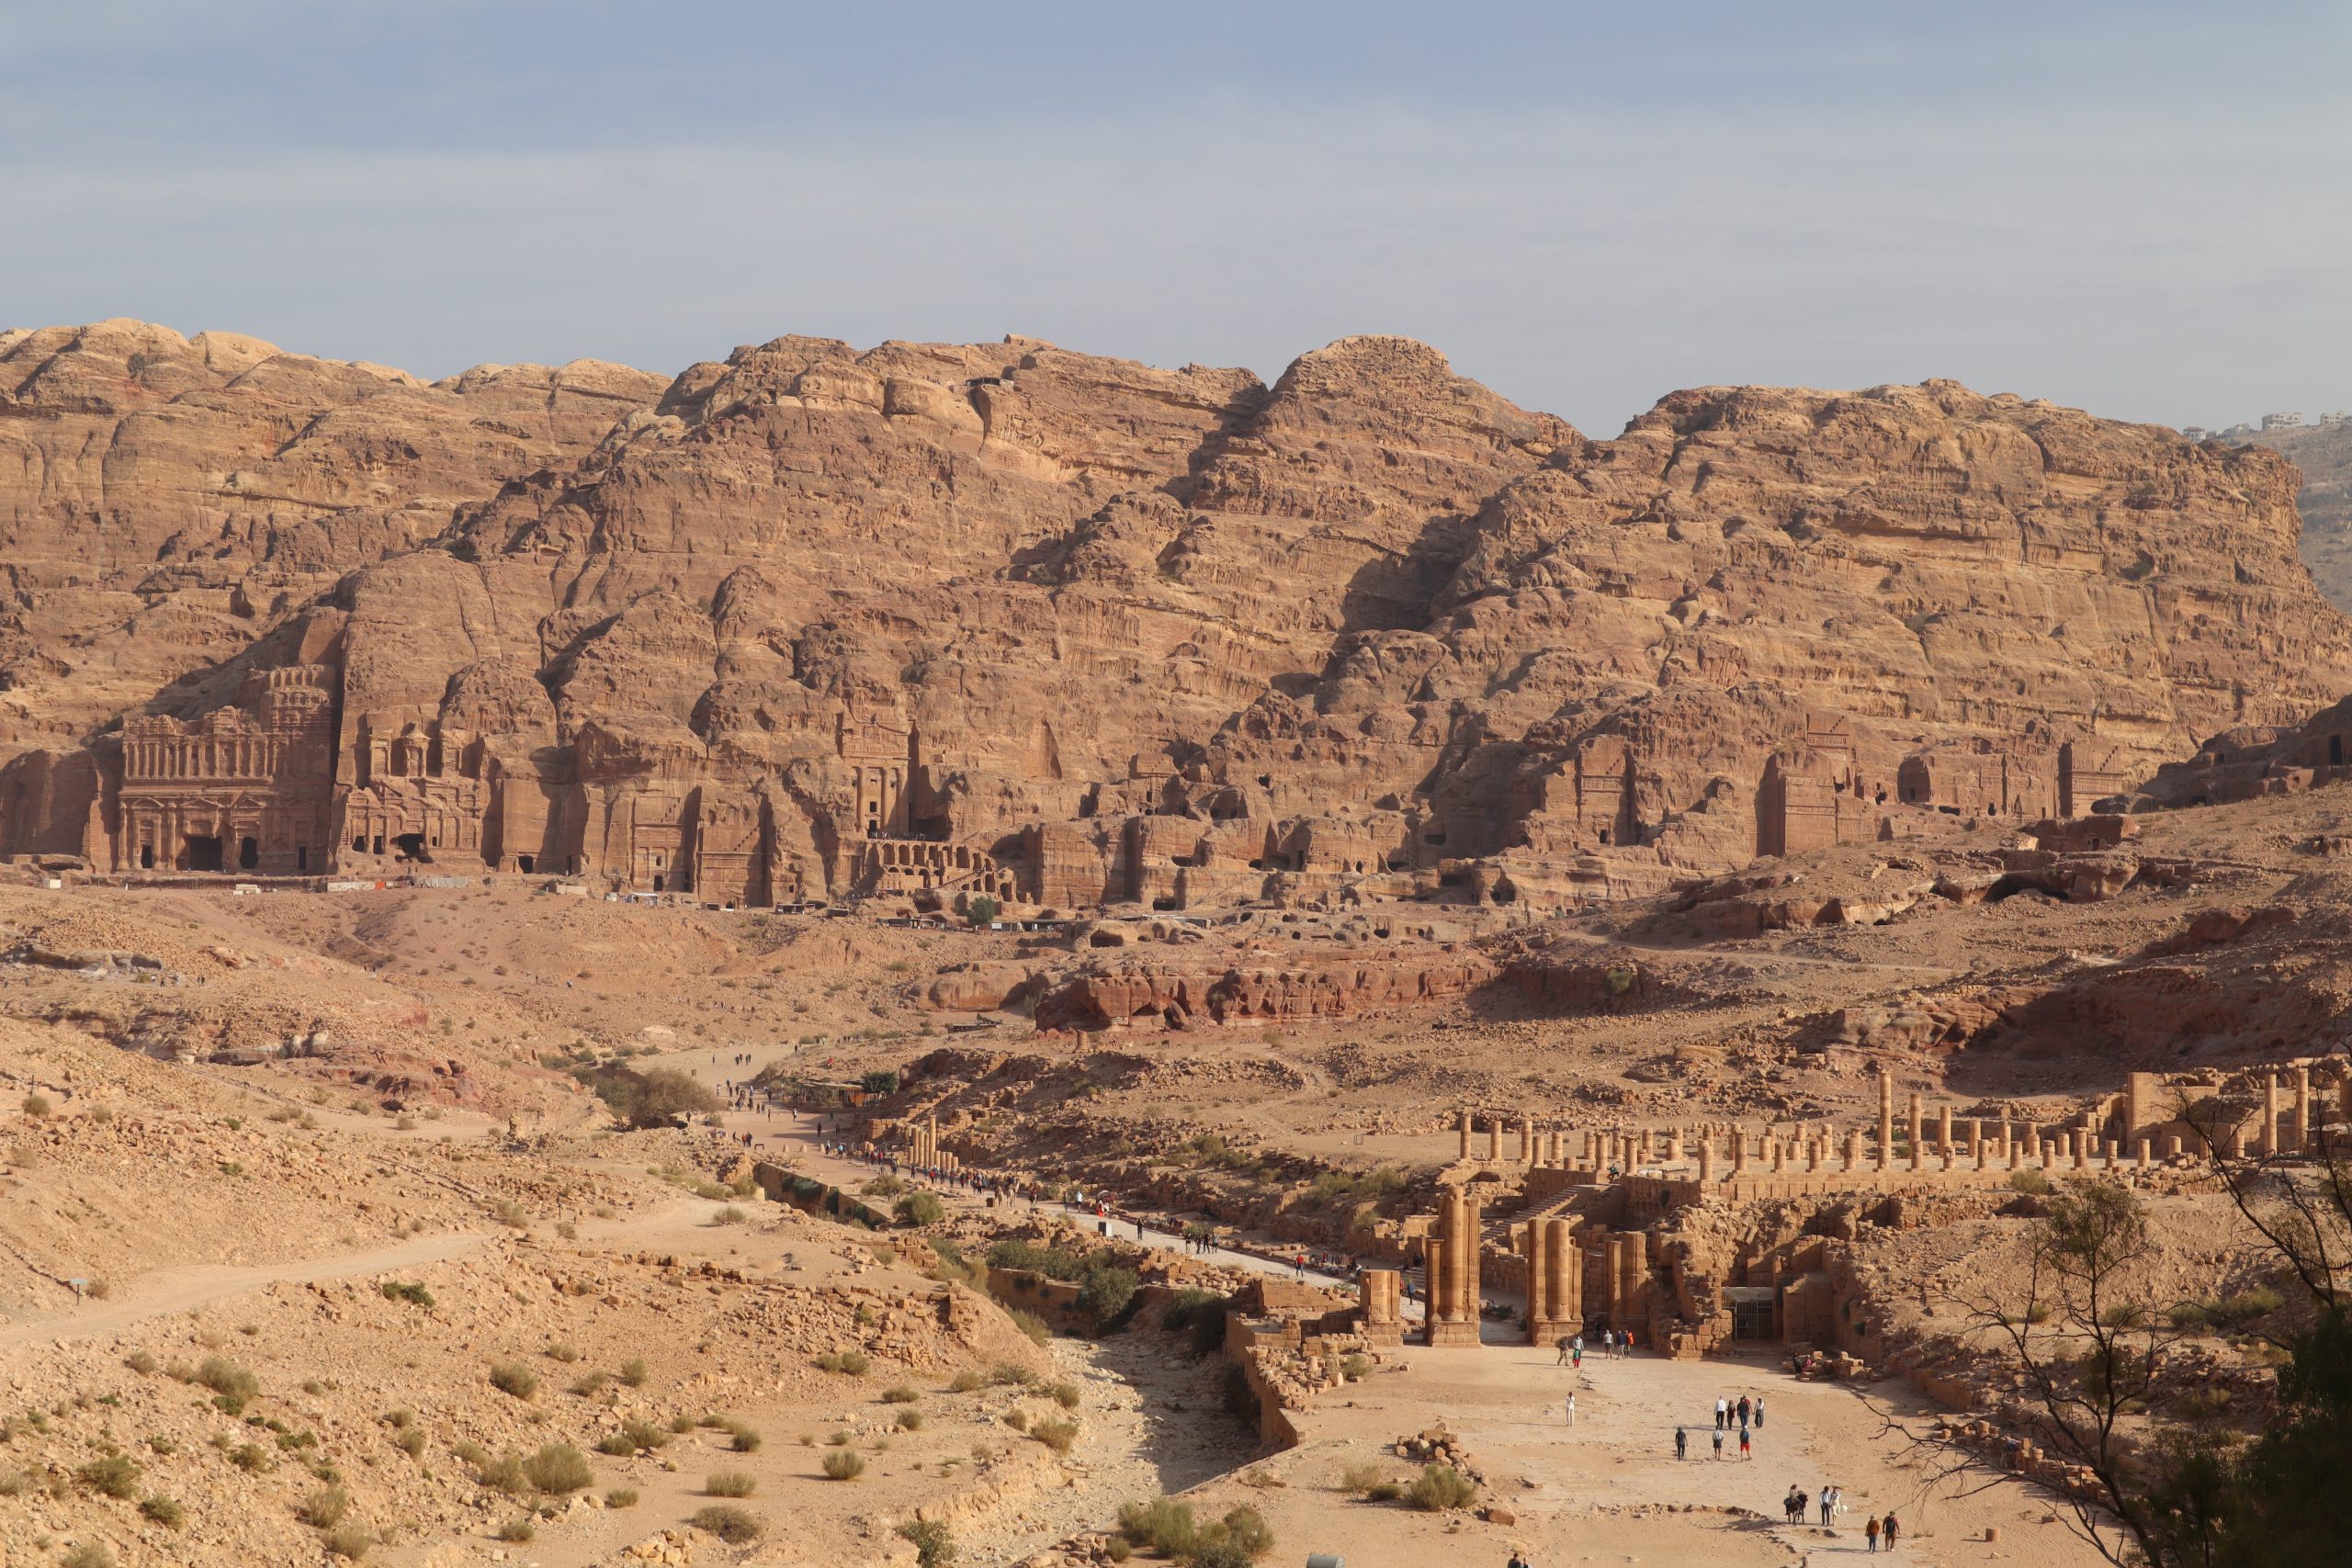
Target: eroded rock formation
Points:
(1004, 619)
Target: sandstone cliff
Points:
(1005, 619)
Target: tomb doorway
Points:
(199, 852)
(248, 854)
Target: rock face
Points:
(2323, 453)
(1007, 619)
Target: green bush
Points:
(1052, 1262)
(620, 1497)
(116, 1475)
(557, 1469)
(900, 1394)
(90, 1554)
(935, 1548)
(910, 1421)
(164, 1512)
(413, 1292)
(1383, 1492)
(505, 1473)
(324, 1508)
(1163, 1526)
(731, 1484)
(736, 1527)
(743, 1438)
(230, 1380)
(849, 1363)
(1441, 1488)
(919, 1209)
(633, 1372)
(843, 1464)
(1056, 1435)
(518, 1529)
(1107, 1293)
(650, 1098)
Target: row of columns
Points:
(1452, 1258)
(923, 1148)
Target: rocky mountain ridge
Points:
(1004, 619)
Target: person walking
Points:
(1829, 1502)
(1563, 1352)
(1719, 1444)
(1743, 1412)
(1870, 1532)
(1572, 1407)
(1722, 1407)
(1759, 1412)
(1743, 1445)
(1576, 1353)
(1681, 1443)
(1890, 1529)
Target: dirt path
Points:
(183, 1289)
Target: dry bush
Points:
(850, 1363)
(557, 1469)
(1056, 1435)
(164, 1512)
(620, 1497)
(349, 1541)
(115, 1475)
(513, 1377)
(736, 1527)
(1440, 1488)
(518, 1529)
(632, 1372)
(731, 1484)
(1065, 1395)
(900, 1395)
(324, 1508)
(843, 1464)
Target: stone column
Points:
(1463, 1128)
(1885, 1119)
(1555, 1147)
(2302, 1140)
(1633, 1273)
(1916, 1127)
(2140, 1153)
(1527, 1143)
(1706, 1161)
(1979, 1144)
(2016, 1153)
(1565, 1268)
(1540, 1309)
(1853, 1151)
(1943, 1129)
(1494, 1139)
(1738, 1151)
(2269, 1136)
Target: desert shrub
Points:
(1107, 1293)
(650, 1098)
(505, 1473)
(966, 1381)
(843, 1464)
(935, 1548)
(37, 1106)
(919, 1209)
(1163, 1526)
(616, 1444)
(591, 1385)
(742, 1438)
(1356, 1366)
(411, 1442)
(513, 1377)
(230, 1380)
(2029, 1181)
(1065, 1395)
(1052, 1262)
(90, 1554)
(1199, 1312)
(410, 1291)
(900, 1394)
(1056, 1435)
(518, 1529)
(883, 1187)
(116, 1475)
(849, 1363)
(164, 1512)
(682, 1423)
(252, 1459)
(140, 1362)
(324, 1508)
(1383, 1492)
(736, 1527)
(731, 1484)
(349, 1541)
(508, 1213)
(557, 1469)
(1030, 1324)
(729, 1215)
(633, 1372)
(563, 1353)
(838, 1441)
(470, 1452)
(1358, 1477)
(620, 1497)
(1440, 1488)
(1017, 1419)
(910, 1421)
(1239, 1538)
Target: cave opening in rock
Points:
(198, 852)
(248, 854)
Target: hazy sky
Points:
(2143, 209)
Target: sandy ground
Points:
(1609, 1489)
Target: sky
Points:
(2144, 209)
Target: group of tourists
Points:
(1832, 1500)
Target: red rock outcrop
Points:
(1005, 619)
